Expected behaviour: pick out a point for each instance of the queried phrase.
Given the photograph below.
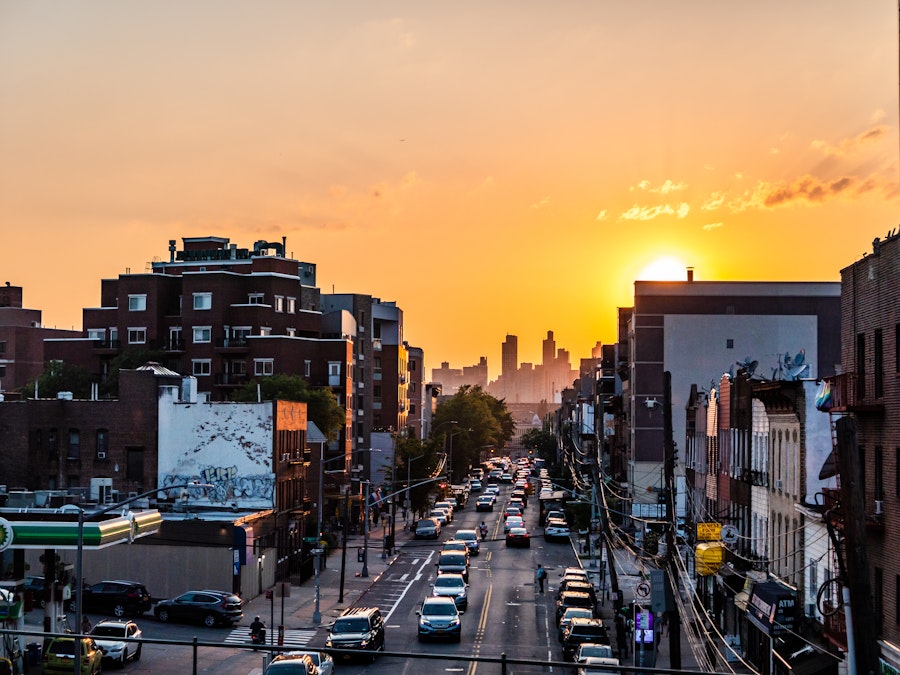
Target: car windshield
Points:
(448, 582)
(595, 650)
(466, 535)
(453, 559)
(351, 626)
(439, 609)
(577, 612)
(108, 631)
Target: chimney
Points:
(690, 274)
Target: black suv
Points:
(118, 598)
(211, 608)
(581, 631)
(360, 628)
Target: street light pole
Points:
(365, 567)
(317, 615)
(79, 554)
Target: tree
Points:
(417, 461)
(60, 376)
(322, 406)
(475, 420)
(127, 360)
(542, 443)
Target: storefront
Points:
(772, 612)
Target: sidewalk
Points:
(298, 609)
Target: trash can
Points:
(33, 653)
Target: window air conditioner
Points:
(101, 455)
(879, 507)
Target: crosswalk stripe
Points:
(293, 637)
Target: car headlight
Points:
(454, 622)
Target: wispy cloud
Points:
(709, 227)
(849, 146)
(602, 215)
(664, 188)
(540, 204)
(638, 212)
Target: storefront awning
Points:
(772, 607)
(807, 661)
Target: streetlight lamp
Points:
(79, 556)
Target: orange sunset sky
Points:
(493, 167)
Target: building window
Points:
(878, 365)
(134, 465)
(256, 298)
(263, 367)
(729, 343)
(202, 301)
(279, 303)
(897, 348)
(292, 332)
(201, 367)
(412, 408)
(202, 334)
(113, 337)
(74, 451)
(2, 371)
(861, 366)
(102, 442)
(897, 472)
(291, 305)
(137, 336)
(879, 473)
(96, 334)
(137, 303)
(2, 346)
(53, 442)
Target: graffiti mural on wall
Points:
(228, 487)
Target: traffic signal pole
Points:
(674, 622)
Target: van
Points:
(357, 628)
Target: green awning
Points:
(95, 535)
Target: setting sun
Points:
(663, 269)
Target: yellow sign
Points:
(709, 531)
(709, 558)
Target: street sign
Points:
(642, 590)
(729, 534)
(318, 551)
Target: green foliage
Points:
(475, 420)
(128, 359)
(322, 406)
(418, 461)
(59, 376)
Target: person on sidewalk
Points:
(540, 574)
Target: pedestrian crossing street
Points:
(293, 638)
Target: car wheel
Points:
(119, 610)
(124, 658)
(137, 654)
(209, 620)
(162, 615)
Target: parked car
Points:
(590, 650)
(451, 586)
(568, 615)
(118, 640)
(59, 656)
(448, 506)
(439, 618)
(518, 536)
(428, 528)
(471, 539)
(357, 628)
(211, 608)
(119, 598)
(573, 599)
(580, 631)
(556, 530)
(291, 663)
(576, 585)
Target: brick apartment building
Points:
(21, 340)
(222, 314)
(868, 389)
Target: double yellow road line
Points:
(479, 631)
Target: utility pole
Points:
(672, 569)
(862, 621)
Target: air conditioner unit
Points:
(101, 455)
(779, 484)
(879, 507)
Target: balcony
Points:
(855, 393)
(231, 379)
(173, 346)
(106, 345)
(232, 345)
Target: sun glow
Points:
(663, 269)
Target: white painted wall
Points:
(228, 445)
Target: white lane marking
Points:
(403, 576)
(409, 585)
